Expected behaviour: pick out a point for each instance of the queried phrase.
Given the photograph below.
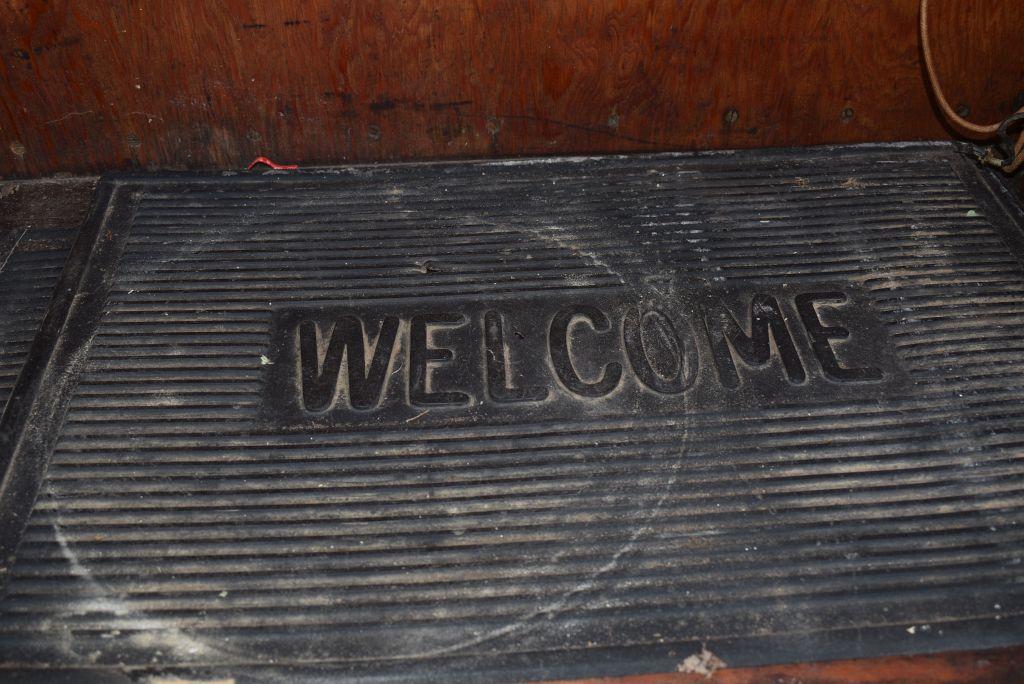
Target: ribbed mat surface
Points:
(28, 273)
(535, 418)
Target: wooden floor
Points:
(1001, 666)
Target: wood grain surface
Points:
(90, 85)
(1001, 666)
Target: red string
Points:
(272, 164)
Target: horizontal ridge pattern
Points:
(174, 527)
(27, 280)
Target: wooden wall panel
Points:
(89, 85)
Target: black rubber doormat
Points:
(30, 265)
(524, 419)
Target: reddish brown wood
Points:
(1003, 666)
(90, 85)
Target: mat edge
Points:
(42, 391)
